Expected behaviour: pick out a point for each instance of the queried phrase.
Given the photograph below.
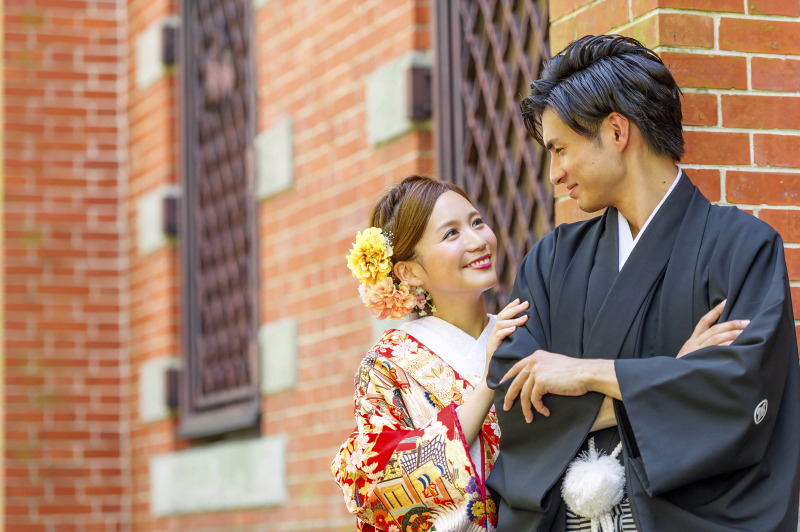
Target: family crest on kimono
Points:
(426, 433)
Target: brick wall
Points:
(65, 296)
(313, 59)
(86, 309)
(154, 273)
(738, 64)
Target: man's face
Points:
(591, 169)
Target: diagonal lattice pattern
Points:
(499, 49)
(221, 245)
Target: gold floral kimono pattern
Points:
(406, 467)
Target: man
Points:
(710, 440)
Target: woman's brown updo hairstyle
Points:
(404, 211)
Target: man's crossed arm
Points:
(544, 372)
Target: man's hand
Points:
(542, 373)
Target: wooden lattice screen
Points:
(487, 53)
(219, 383)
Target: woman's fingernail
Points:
(745, 322)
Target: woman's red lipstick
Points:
(482, 266)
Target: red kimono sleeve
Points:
(392, 473)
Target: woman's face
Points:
(457, 251)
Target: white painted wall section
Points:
(149, 43)
(278, 345)
(153, 389)
(150, 218)
(223, 476)
(386, 99)
(274, 149)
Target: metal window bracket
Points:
(420, 93)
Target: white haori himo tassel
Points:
(593, 485)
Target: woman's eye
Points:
(477, 221)
(559, 150)
(450, 233)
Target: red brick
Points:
(708, 181)
(793, 263)
(711, 147)
(602, 18)
(770, 74)
(777, 150)
(645, 31)
(78, 228)
(795, 301)
(788, 8)
(785, 222)
(699, 109)
(678, 29)
(562, 33)
(760, 112)
(759, 36)
(53, 509)
(562, 7)
(567, 211)
(756, 188)
(99, 23)
(707, 71)
(641, 7)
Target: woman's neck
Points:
(468, 313)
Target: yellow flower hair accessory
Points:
(369, 260)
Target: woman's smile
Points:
(481, 263)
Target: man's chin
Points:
(589, 207)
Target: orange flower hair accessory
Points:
(385, 300)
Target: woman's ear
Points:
(408, 271)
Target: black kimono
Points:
(711, 440)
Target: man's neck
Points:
(643, 191)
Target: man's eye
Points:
(558, 151)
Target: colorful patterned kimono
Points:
(407, 467)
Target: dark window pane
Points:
(486, 55)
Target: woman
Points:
(426, 435)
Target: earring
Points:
(424, 301)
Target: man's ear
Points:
(408, 271)
(620, 128)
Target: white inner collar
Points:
(626, 240)
(461, 351)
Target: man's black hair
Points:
(598, 75)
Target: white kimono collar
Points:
(465, 354)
